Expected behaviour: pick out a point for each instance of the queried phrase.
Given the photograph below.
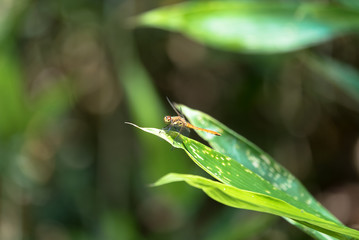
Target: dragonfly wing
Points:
(185, 131)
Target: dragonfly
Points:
(179, 122)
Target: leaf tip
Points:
(129, 123)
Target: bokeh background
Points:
(71, 74)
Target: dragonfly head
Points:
(167, 119)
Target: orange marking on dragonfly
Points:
(180, 121)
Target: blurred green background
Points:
(71, 74)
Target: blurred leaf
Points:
(349, 3)
(14, 113)
(233, 173)
(9, 12)
(119, 225)
(52, 102)
(340, 74)
(146, 109)
(17, 109)
(254, 27)
(244, 225)
(142, 98)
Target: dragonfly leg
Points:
(167, 128)
(179, 133)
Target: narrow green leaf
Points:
(254, 27)
(240, 198)
(168, 136)
(253, 158)
(14, 112)
(340, 74)
(349, 3)
(10, 11)
(236, 176)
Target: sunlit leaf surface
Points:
(254, 27)
(253, 158)
(236, 197)
(236, 177)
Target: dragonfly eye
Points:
(167, 119)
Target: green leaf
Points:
(254, 27)
(349, 3)
(240, 198)
(252, 157)
(10, 12)
(14, 111)
(278, 186)
(340, 74)
(50, 104)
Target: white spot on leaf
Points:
(265, 159)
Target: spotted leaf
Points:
(244, 176)
(239, 198)
(252, 157)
